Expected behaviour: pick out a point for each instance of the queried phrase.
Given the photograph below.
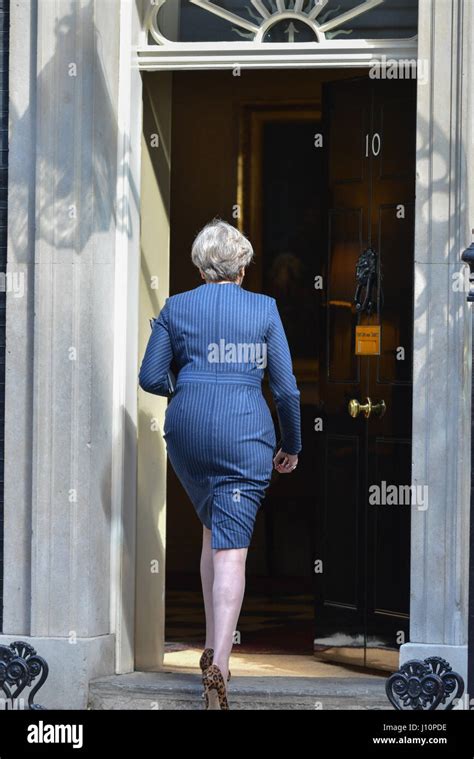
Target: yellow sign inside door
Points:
(367, 340)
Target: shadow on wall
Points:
(76, 198)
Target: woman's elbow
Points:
(282, 395)
(146, 383)
(154, 386)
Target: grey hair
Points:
(221, 251)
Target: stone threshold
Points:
(171, 690)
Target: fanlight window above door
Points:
(280, 21)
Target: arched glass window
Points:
(280, 21)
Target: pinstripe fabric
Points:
(218, 428)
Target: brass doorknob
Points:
(376, 409)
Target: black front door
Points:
(364, 465)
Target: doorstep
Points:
(170, 690)
(259, 681)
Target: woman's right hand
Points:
(284, 463)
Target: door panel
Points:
(340, 610)
(341, 508)
(362, 593)
(390, 375)
(345, 238)
(394, 237)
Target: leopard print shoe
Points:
(214, 689)
(206, 660)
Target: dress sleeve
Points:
(283, 383)
(154, 371)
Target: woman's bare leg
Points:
(207, 581)
(227, 593)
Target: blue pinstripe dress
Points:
(218, 428)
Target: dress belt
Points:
(224, 378)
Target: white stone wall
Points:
(64, 84)
(442, 335)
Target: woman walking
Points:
(219, 432)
